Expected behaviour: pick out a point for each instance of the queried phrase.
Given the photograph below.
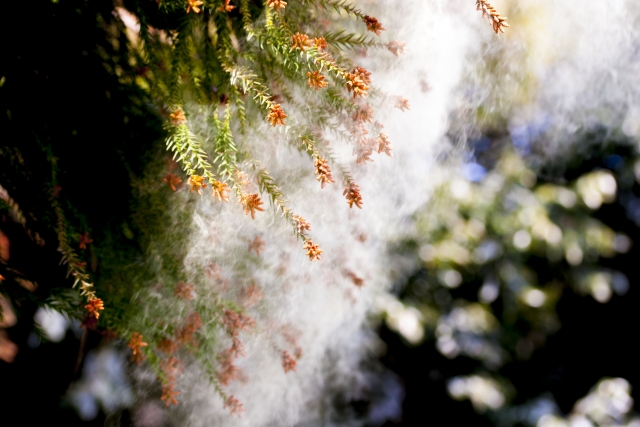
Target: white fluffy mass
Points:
(562, 66)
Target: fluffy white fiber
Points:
(575, 62)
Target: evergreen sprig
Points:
(226, 151)
(75, 266)
(337, 6)
(189, 152)
(344, 40)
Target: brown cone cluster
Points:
(276, 115)
(352, 193)
(373, 24)
(323, 171)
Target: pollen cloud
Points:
(304, 356)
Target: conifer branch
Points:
(343, 40)
(240, 108)
(189, 152)
(335, 5)
(18, 216)
(315, 59)
(227, 153)
(498, 22)
(267, 184)
(248, 81)
(75, 266)
(246, 19)
(180, 59)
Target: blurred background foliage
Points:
(521, 299)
